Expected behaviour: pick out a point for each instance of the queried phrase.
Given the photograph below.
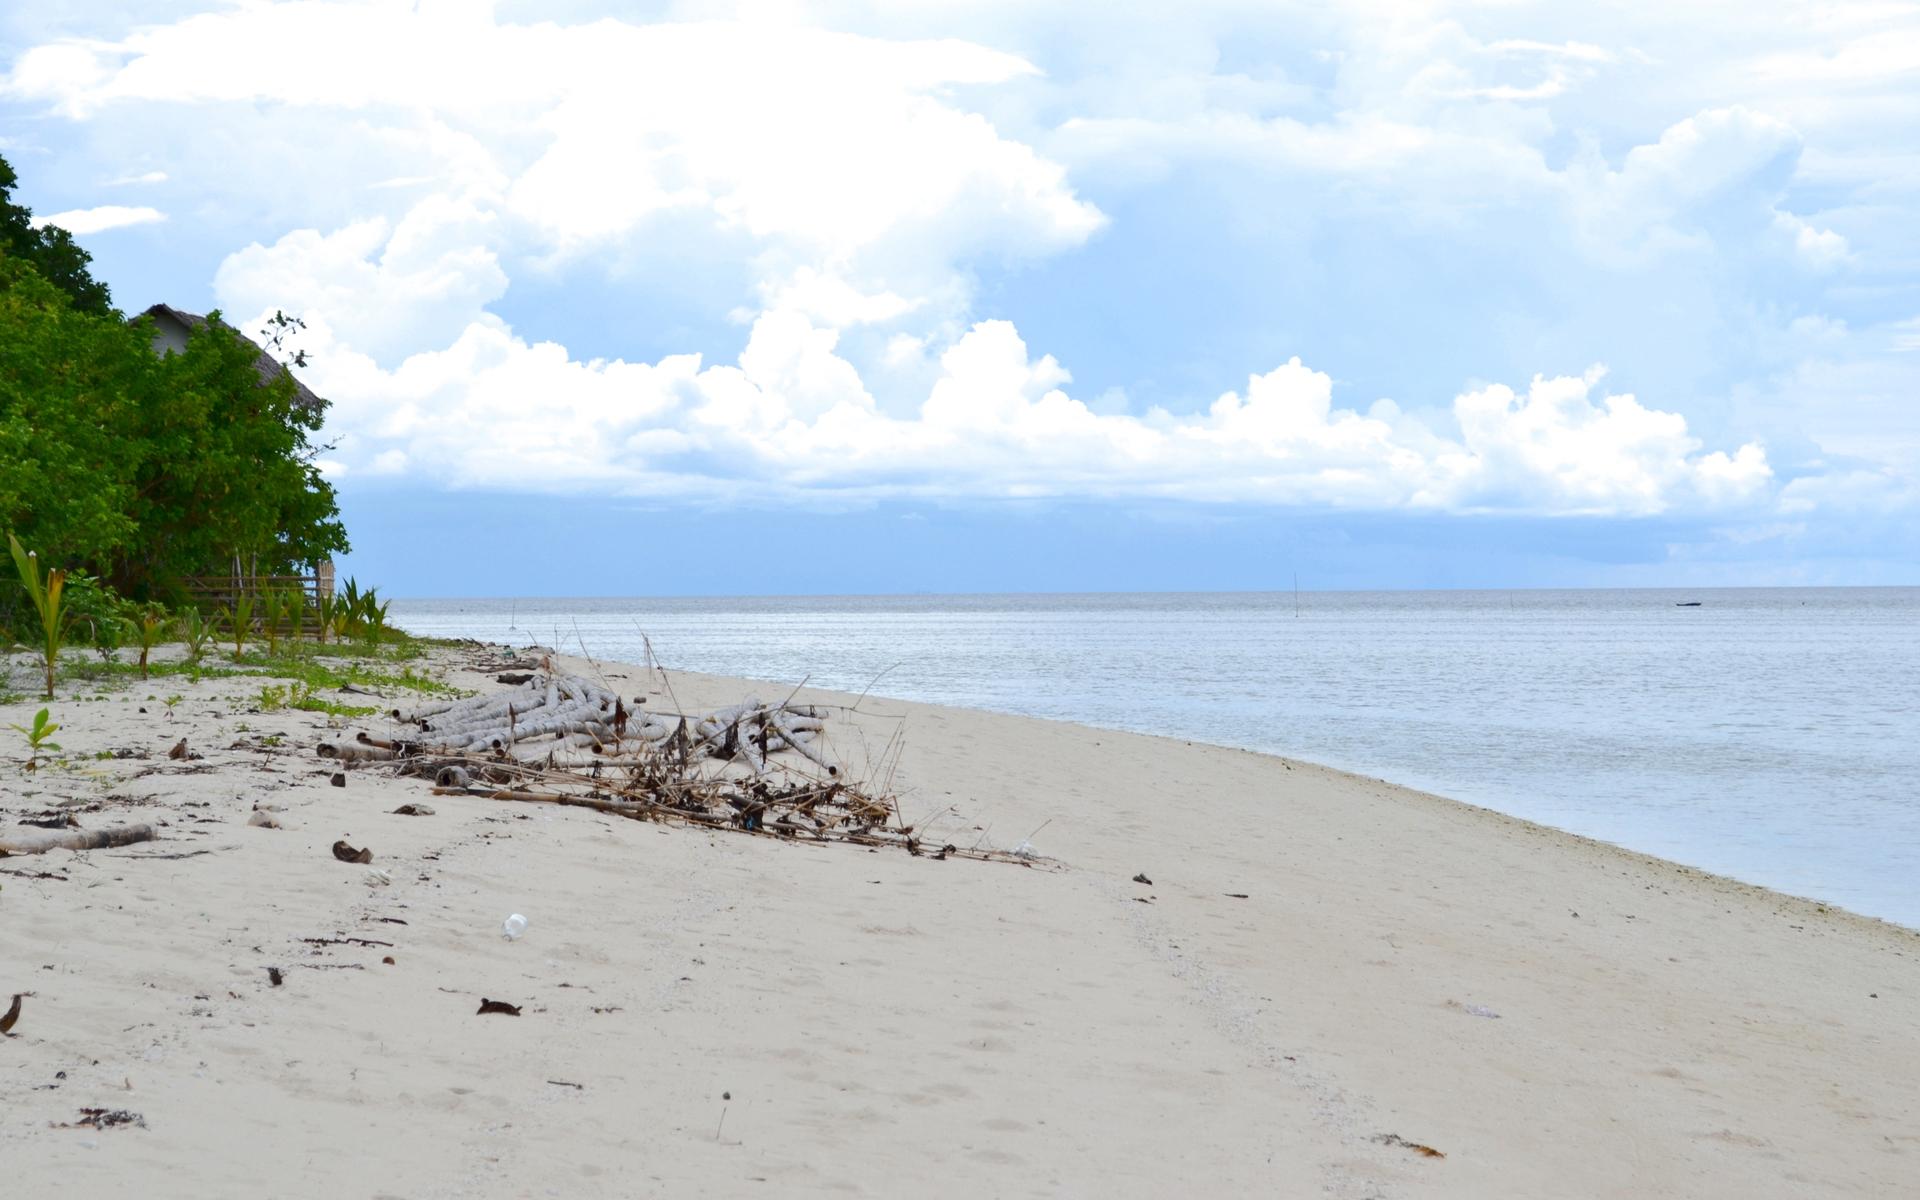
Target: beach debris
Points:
(171, 857)
(105, 1118)
(1235, 895)
(1142, 878)
(13, 1014)
(34, 874)
(578, 1087)
(580, 714)
(263, 820)
(497, 1006)
(276, 976)
(41, 841)
(378, 878)
(753, 767)
(346, 853)
(356, 754)
(388, 960)
(1479, 1010)
(414, 810)
(179, 750)
(513, 927)
(1394, 1139)
(339, 779)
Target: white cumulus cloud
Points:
(385, 289)
(793, 418)
(844, 161)
(854, 191)
(82, 221)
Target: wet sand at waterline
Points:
(1325, 975)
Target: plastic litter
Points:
(513, 927)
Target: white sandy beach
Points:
(715, 1014)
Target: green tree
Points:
(68, 442)
(51, 250)
(136, 468)
(141, 469)
(227, 468)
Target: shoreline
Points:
(1759, 772)
(1645, 858)
(1325, 973)
(1413, 792)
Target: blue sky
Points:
(845, 297)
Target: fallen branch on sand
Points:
(40, 841)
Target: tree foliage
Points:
(69, 384)
(52, 251)
(137, 468)
(228, 468)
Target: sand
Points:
(724, 1015)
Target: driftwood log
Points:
(39, 841)
(553, 713)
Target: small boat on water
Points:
(1686, 604)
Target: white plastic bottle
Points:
(513, 927)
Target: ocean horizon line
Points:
(1709, 589)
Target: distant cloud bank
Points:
(1486, 199)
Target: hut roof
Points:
(268, 367)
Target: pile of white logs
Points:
(563, 713)
(574, 711)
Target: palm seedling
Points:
(293, 605)
(151, 624)
(239, 621)
(47, 595)
(373, 618)
(39, 737)
(197, 632)
(325, 608)
(350, 604)
(271, 606)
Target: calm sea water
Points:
(1768, 734)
